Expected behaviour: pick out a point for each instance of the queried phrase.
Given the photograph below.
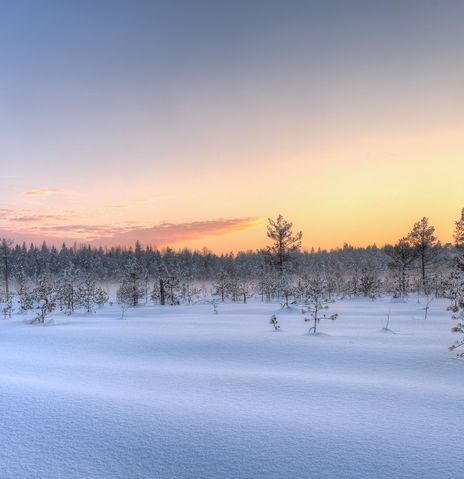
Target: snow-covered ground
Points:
(178, 392)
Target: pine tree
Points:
(44, 298)
(422, 238)
(168, 287)
(158, 292)
(286, 289)
(173, 287)
(220, 285)
(316, 301)
(459, 232)
(284, 241)
(131, 289)
(25, 296)
(5, 256)
(7, 307)
(369, 283)
(168, 290)
(188, 291)
(67, 294)
(458, 306)
(267, 285)
(454, 285)
(402, 255)
(245, 288)
(89, 294)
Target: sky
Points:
(189, 123)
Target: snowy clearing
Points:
(178, 392)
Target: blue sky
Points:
(158, 107)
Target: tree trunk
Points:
(162, 293)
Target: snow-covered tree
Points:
(286, 289)
(173, 288)
(189, 292)
(454, 286)
(44, 298)
(66, 289)
(402, 255)
(24, 294)
(131, 288)
(458, 306)
(245, 288)
(90, 294)
(220, 285)
(422, 238)
(459, 232)
(267, 285)
(168, 287)
(285, 242)
(369, 283)
(158, 292)
(426, 308)
(5, 265)
(458, 313)
(316, 301)
(7, 307)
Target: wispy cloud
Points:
(37, 215)
(116, 206)
(86, 232)
(44, 192)
(39, 218)
(6, 212)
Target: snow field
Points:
(178, 392)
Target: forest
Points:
(81, 277)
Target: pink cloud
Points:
(105, 235)
(171, 233)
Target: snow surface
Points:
(178, 392)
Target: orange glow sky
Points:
(185, 126)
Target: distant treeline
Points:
(416, 262)
(110, 264)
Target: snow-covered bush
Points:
(275, 322)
